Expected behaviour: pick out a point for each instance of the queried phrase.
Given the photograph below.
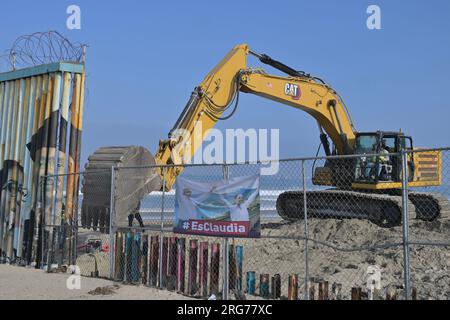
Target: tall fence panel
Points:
(41, 112)
(86, 240)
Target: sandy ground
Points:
(24, 283)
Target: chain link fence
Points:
(76, 229)
(352, 227)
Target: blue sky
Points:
(144, 59)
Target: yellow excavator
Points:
(357, 187)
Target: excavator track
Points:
(382, 209)
(430, 206)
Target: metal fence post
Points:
(112, 252)
(406, 257)
(225, 246)
(226, 271)
(53, 228)
(43, 187)
(305, 212)
(162, 230)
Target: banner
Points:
(227, 208)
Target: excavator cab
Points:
(385, 167)
(381, 165)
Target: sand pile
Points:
(343, 251)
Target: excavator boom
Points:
(220, 90)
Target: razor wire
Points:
(41, 48)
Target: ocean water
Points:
(151, 206)
(270, 188)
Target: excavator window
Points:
(388, 164)
(406, 143)
(373, 169)
(366, 144)
(385, 167)
(389, 144)
(367, 166)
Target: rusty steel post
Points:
(323, 290)
(193, 259)
(127, 255)
(413, 293)
(164, 262)
(172, 267)
(136, 259)
(293, 287)
(391, 293)
(336, 291)
(264, 285)
(203, 268)
(276, 286)
(215, 269)
(312, 289)
(232, 267)
(144, 260)
(119, 257)
(181, 257)
(356, 294)
(153, 261)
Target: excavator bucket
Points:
(135, 178)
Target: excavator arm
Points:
(219, 92)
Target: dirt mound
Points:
(104, 291)
(342, 251)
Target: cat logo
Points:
(292, 90)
